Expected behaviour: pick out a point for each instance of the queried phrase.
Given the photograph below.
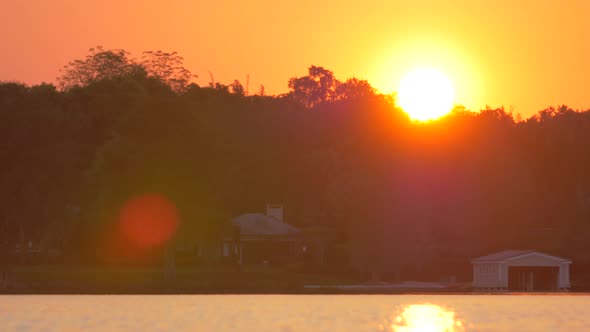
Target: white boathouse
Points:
(521, 270)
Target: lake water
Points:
(424, 313)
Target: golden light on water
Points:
(426, 94)
(427, 318)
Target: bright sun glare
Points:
(427, 318)
(425, 94)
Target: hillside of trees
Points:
(412, 196)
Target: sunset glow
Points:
(391, 166)
(425, 94)
(501, 64)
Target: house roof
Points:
(261, 224)
(510, 254)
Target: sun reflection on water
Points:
(427, 318)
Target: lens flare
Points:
(148, 221)
(427, 318)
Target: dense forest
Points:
(411, 196)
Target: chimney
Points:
(275, 211)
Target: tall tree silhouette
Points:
(319, 86)
(97, 65)
(168, 67)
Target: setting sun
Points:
(425, 94)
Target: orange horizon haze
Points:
(523, 55)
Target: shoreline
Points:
(325, 291)
(76, 280)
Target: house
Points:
(325, 245)
(521, 270)
(263, 238)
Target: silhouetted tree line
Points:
(415, 198)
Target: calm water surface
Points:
(410, 313)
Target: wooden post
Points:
(237, 248)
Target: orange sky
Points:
(524, 54)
